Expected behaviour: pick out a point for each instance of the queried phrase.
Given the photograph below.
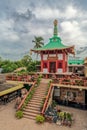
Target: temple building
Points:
(54, 55)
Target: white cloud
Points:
(49, 13)
(70, 12)
(6, 31)
(71, 32)
(46, 13)
(20, 29)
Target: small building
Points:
(76, 66)
(85, 67)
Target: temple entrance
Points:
(52, 67)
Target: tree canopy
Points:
(38, 41)
(9, 66)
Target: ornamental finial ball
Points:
(55, 22)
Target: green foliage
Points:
(40, 119)
(38, 41)
(22, 72)
(41, 105)
(9, 66)
(19, 114)
(32, 66)
(28, 99)
(68, 116)
(79, 82)
(38, 81)
(65, 115)
(53, 104)
(61, 115)
(26, 60)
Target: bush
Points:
(69, 117)
(53, 104)
(19, 114)
(40, 119)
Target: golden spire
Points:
(55, 27)
(55, 22)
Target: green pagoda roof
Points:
(54, 43)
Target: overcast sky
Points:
(21, 20)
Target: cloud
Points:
(49, 13)
(18, 15)
(70, 12)
(21, 20)
(73, 32)
(46, 13)
(6, 31)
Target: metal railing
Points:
(47, 99)
(22, 102)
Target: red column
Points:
(64, 62)
(48, 66)
(41, 62)
(56, 65)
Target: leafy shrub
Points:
(65, 115)
(53, 104)
(69, 117)
(61, 115)
(40, 119)
(19, 114)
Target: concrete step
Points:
(36, 100)
(41, 92)
(31, 111)
(39, 97)
(32, 108)
(41, 89)
(30, 114)
(33, 105)
(36, 103)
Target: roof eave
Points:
(38, 51)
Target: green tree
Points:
(1, 61)
(26, 60)
(32, 66)
(8, 66)
(38, 41)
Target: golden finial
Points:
(55, 22)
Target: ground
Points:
(9, 122)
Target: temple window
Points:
(60, 65)
(44, 65)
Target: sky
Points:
(21, 20)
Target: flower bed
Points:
(59, 117)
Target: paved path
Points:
(9, 122)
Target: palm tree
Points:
(38, 42)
